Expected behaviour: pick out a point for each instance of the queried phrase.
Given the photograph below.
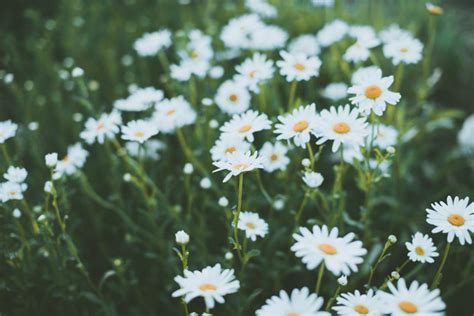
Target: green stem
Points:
(379, 259)
(237, 245)
(333, 298)
(6, 156)
(291, 99)
(311, 154)
(301, 208)
(189, 153)
(438, 275)
(320, 278)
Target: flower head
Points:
(298, 66)
(252, 225)
(238, 163)
(245, 124)
(297, 125)
(421, 248)
(139, 131)
(275, 156)
(7, 130)
(355, 304)
(232, 97)
(105, 127)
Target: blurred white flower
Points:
(181, 237)
(313, 179)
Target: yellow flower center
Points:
(250, 226)
(171, 112)
(207, 287)
(233, 97)
(230, 150)
(292, 314)
(252, 73)
(66, 158)
(273, 157)
(13, 193)
(328, 249)
(194, 54)
(373, 92)
(341, 128)
(139, 134)
(408, 307)
(434, 9)
(456, 220)
(361, 309)
(403, 50)
(419, 251)
(101, 125)
(245, 128)
(240, 166)
(300, 126)
(299, 66)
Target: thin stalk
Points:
(379, 259)
(189, 153)
(291, 99)
(438, 275)
(333, 298)
(320, 278)
(311, 154)
(235, 223)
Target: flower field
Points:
(248, 157)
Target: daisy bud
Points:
(77, 72)
(33, 126)
(223, 201)
(342, 280)
(117, 262)
(228, 255)
(37, 209)
(279, 204)
(205, 183)
(392, 239)
(306, 162)
(206, 102)
(313, 179)
(391, 150)
(213, 124)
(51, 159)
(56, 175)
(77, 117)
(16, 213)
(8, 78)
(48, 187)
(395, 275)
(188, 168)
(41, 218)
(216, 72)
(181, 237)
(127, 177)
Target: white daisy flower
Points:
(372, 94)
(139, 131)
(212, 284)
(181, 237)
(73, 161)
(11, 191)
(393, 33)
(173, 113)
(232, 97)
(299, 303)
(298, 66)
(245, 124)
(140, 100)
(386, 136)
(415, 299)
(237, 33)
(335, 91)
(360, 50)
(268, 37)
(252, 225)
(357, 304)
(228, 144)
(16, 174)
(351, 154)
(332, 32)
(323, 3)
(340, 255)
(275, 156)
(434, 9)
(254, 71)
(150, 148)
(304, 44)
(341, 125)
(465, 139)
(298, 125)
(261, 7)
(101, 129)
(238, 163)
(151, 43)
(406, 50)
(421, 248)
(313, 179)
(360, 74)
(7, 130)
(455, 218)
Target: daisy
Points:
(101, 129)
(372, 94)
(151, 43)
(323, 3)
(298, 125)
(360, 74)
(150, 148)
(275, 156)
(415, 299)
(332, 32)
(455, 218)
(340, 255)
(140, 100)
(245, 124)
(341, 125)
(232, 97)
(254, 71)
(173, 113)
(268, 37)
(304, 44)
(236, 34)
(238, 163)
(7, 130)
(465, 139)
(228, 144)
(262, 8)
(139, 131)
(335, 91)
(421, 248)
(356, 304)
(74, 160)
(298, 66)
(299, 303)
(407, 50)
(16, 174)
(313, 179)
(393, 33)
(434, 9)
(212, 284)
(252, 225)
(386, 136)
(11, 191)
(360, 50)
